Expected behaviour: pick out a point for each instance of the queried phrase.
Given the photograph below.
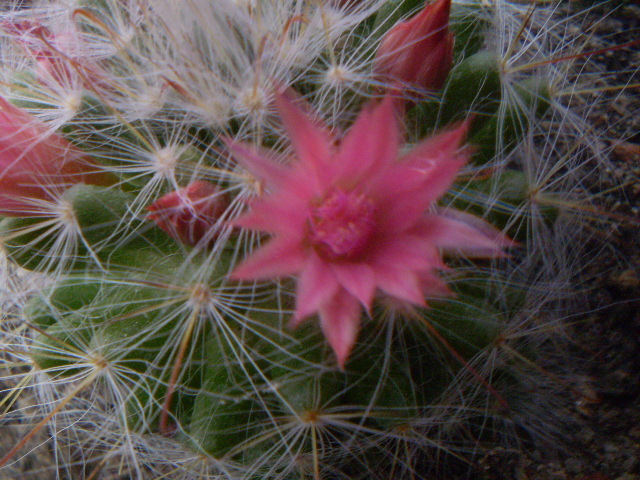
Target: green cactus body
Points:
(467, 324)
(30, 243)
(473, 90)
(99, 235)
(68, 295)
(469, 22)
(226, 413)
(389, 397)
(507, 200)
(530, 100)
(148, 396)
(99, 212)
(62, 349)
(392, 12)
(296, 367)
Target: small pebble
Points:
(573, 465)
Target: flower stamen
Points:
(341, 225)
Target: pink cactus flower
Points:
(418, 53)
(37, 165)
(357, 220)
(190, 214)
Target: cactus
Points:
(164, 340)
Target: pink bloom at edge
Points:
(190, 214)
(356, 220)
(37, 165)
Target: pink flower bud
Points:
(191, 213)
(418, 53)
(37, 165)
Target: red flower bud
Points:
(418, 53)
(191, 213)
(38, 165)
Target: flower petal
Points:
(312, 143)
(441, 146)
(340, 322)
(357, 279)
(419, 50)
(434, 286)
(316, 286)
(403, 211)
(408, 252)
(407, 191)
(400, 284)
(371, 143)
(281, 217)
(460, 232)
(258, 163)
(277, 258)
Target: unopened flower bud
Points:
(190, 214)
(418, 53)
